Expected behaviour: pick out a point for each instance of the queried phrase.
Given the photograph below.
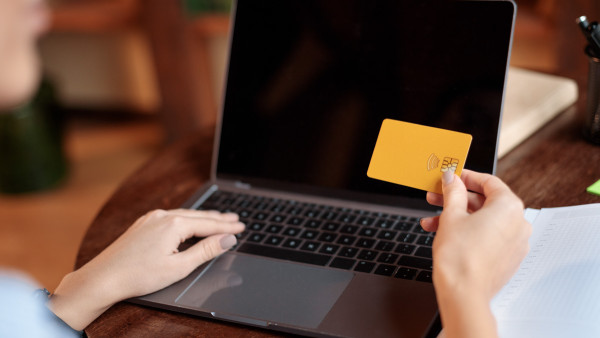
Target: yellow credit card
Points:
(416, 156)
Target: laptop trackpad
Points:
(252, 289)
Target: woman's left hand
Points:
(143, 260)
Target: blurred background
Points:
(131, 76)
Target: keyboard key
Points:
(329, 249)
(348, 252)
(406, 273)
(274, 228)
(292, 243)
(425, 240)
(310, 234)
(346, 240)
(291, 232)
(327, 237)
(385, 270)
(331, 226)
(419, 230)
(363, 266)
(405, 248)
(256, 226)
(241, 235)
(425, 276)
(347, 218)
(244, 213)
(262, 205)
(310, 246)
(214, 198)
(285, 254)
(279, 207)
(365, 243)
(256, 237)
(366, 221)
(416, 262)
(349, 229)
(406, 237)
(295, 210)
(385, 223)
(342, 263)
(227, 201)
(385, 246)
(404, 226)
(367, 255)
(274, 240)
(261, 216)
(388, 258)
(329, 215)
(312, 213)
(312, 223)
(368, 232)
(278, 218)
(295, 221)
(387, 234)
(423, 251)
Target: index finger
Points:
(485, 184)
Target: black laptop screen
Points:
(310, 82)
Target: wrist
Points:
(79, 299)
(464, 309)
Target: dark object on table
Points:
(31, 151)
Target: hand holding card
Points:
(415, 156)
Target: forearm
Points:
(465, 314)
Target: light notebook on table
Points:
(329, 251)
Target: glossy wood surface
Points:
(551, 169)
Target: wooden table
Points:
(550, 169)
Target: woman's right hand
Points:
(482, 237)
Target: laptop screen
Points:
(310, 82)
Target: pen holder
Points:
(591, 129)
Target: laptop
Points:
(327, 250)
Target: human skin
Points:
(143, 260)
(481, 238)
(21, 23)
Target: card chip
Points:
(449, 164)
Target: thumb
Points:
(207, 249)
(455, 192)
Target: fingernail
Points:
(447, 177)
(227, 242)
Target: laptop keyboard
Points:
(342, 238)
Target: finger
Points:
(475, 200)
(213, 214)
(435, 199)
(201, 227)
(485, 184)
(430, 224)
(455, 193)
(205, 250)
